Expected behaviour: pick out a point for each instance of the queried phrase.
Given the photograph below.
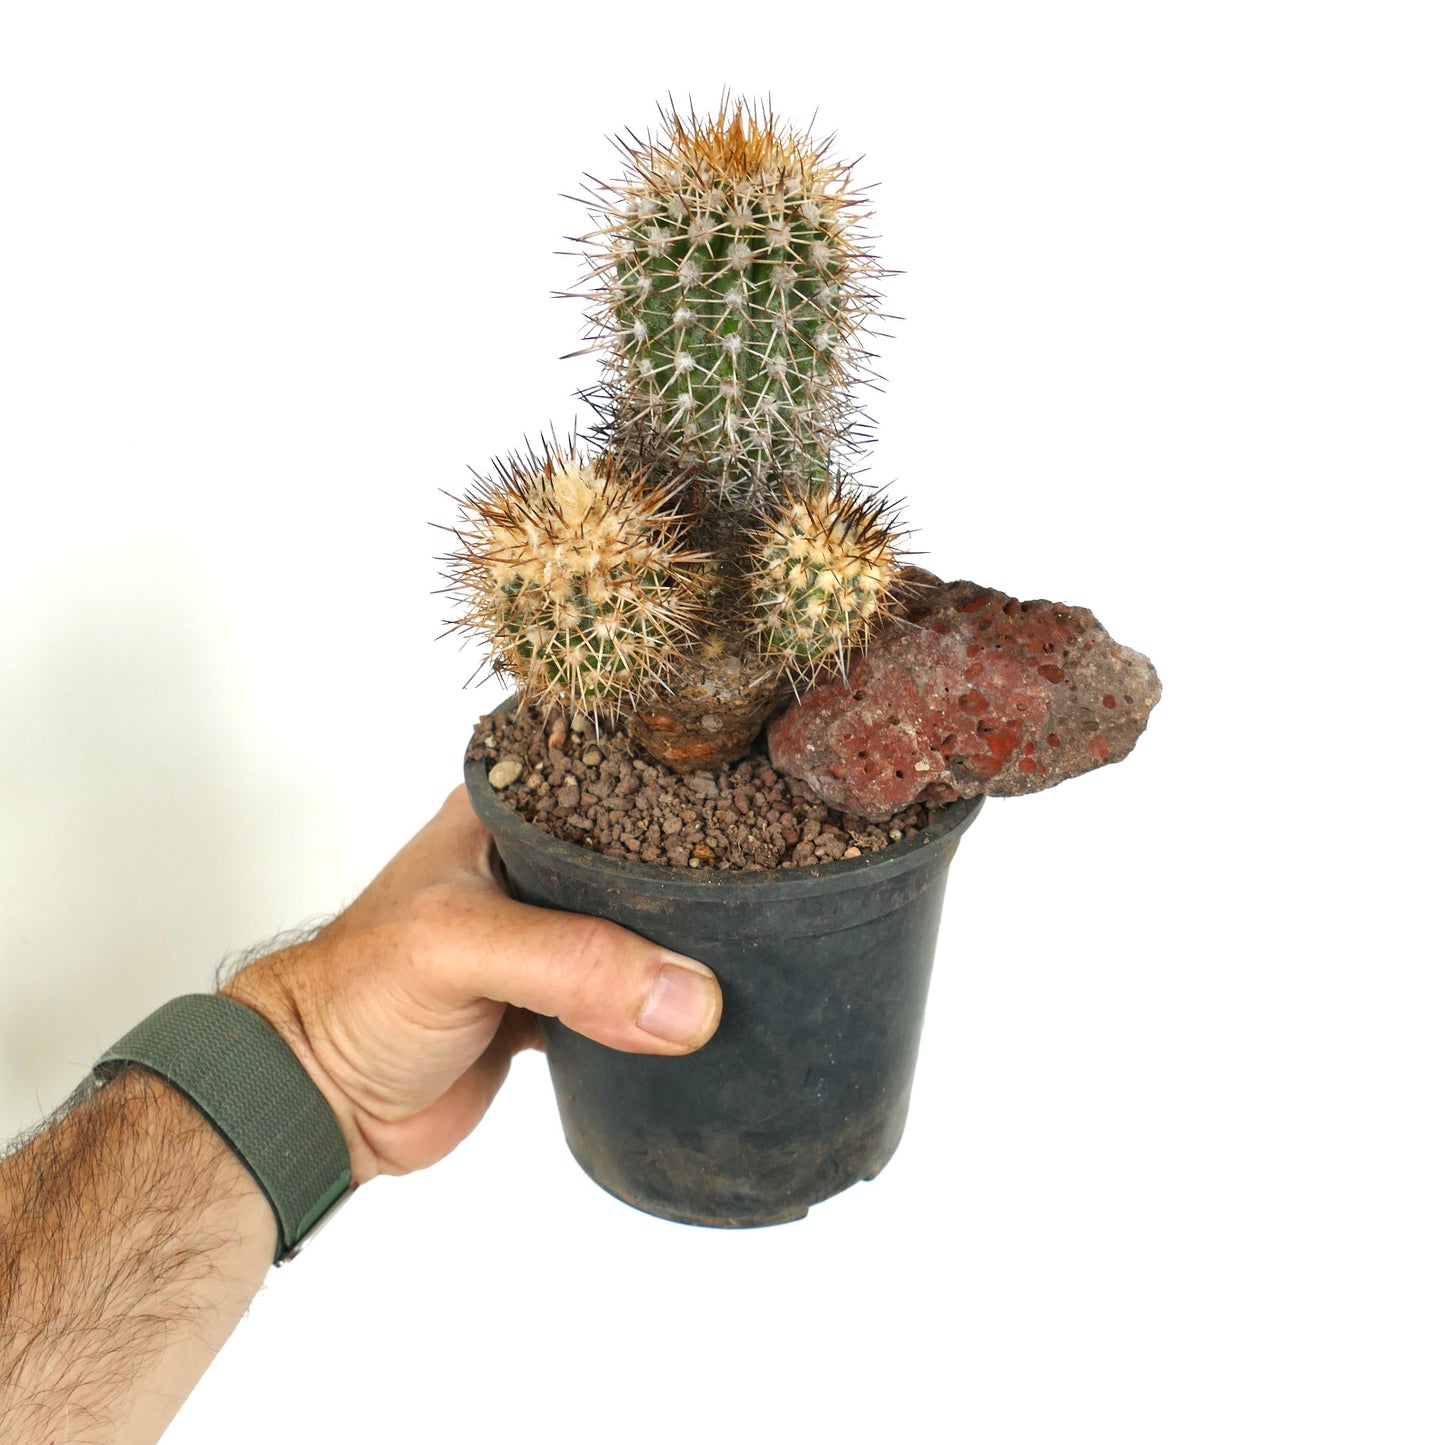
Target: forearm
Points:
(131, 1242)
(132, 1238)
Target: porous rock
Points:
(973, 692)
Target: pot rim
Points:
(764, 883)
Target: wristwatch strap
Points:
(240, 1073)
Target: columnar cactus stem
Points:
(735, 287)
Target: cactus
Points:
(734, 290)
(574, 574)
(823, 567)
(712, 553)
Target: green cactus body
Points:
(734, 288)
(575, 576)
(823, 565)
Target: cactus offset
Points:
(574, 574)
(823, 567)
(734, 290)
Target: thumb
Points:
(596, 977)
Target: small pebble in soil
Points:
(505, 773)
(597, 789)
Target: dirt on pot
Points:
(596, 788)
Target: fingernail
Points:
(683, 1004)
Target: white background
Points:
(274, 275)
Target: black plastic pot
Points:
(804, 1088)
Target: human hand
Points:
(407, 1009)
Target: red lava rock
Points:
(976, 692)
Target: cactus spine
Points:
(822, 569)
(734, 291)
(575, 575)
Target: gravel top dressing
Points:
(598, 790)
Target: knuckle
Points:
(589, 945)
(590, 964)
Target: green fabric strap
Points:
(240, 1073)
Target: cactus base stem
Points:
(712, 716)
